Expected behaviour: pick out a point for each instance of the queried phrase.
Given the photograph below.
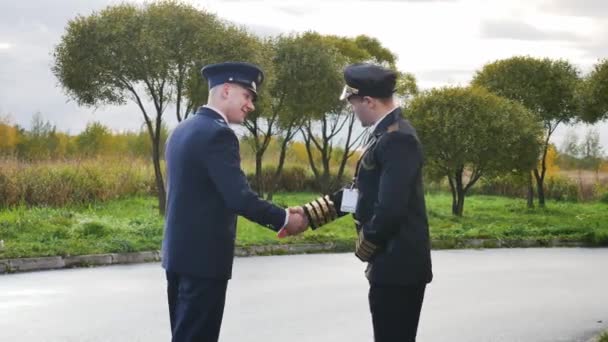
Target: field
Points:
(133, 224)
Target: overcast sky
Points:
(441, 42)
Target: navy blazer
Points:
(206, 190)
(391, 206)
(391, 209)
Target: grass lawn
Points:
(133, 224)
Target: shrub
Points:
(60, 183)
(562, 189)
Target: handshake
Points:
(312, 214)
(296, 224)
(324, 210)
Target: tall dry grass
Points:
(60, 183)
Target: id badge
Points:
(349, 200)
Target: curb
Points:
(58, 262)
(285, 249)
(504, 243)
(52, 263)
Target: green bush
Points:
(600, 191)
(562, 189)
(557, 188)
(508, 185)
(604, 198)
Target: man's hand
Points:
(297, 223)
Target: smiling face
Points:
(238, 102)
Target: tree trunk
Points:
(540, 187)
(541, 193)
(347, 146)
(259, 176)
(458, 192)
(282, 155)
(460, 206)
(154, 131)
(458, 197)
(454, 194)
(307, 134)
(277, 174)
(530, 191)
(160, 184)
(540, 176)
(326, 178)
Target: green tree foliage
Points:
(468, 133)
(330, 129)
(145, 54)
(40, 142)
(594, 93)
(94, 140)
(546, 87)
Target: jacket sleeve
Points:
(324, 209)
(223, 163)
(400, 158)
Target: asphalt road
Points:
(477, 295)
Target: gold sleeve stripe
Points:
(318, 211)
(324, 209)
(313, 214)
(332, 208)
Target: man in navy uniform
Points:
(387, 202)
(206, 190)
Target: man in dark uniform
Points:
(206, 190)
(387, 201)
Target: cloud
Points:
(263, 30)
(596, 47)
(519, 30)
(298, 10)
(438, 54)
(45, 14)
(350, 2)
(586, 8)
(442, 76)
(27, 84)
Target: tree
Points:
(547, 87)
(66, 145)
(591, 151)
(262, 124)
(570, 150)
(126, 52)
(552, 167)
(469, 133)
(40, 142)
(8, 136)
(322, 131)
(374, 48)
(234, 43)
(306, 83)
(594, 93)
(299, 64)
(407, 86)
(570, 144)
(94, 140)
